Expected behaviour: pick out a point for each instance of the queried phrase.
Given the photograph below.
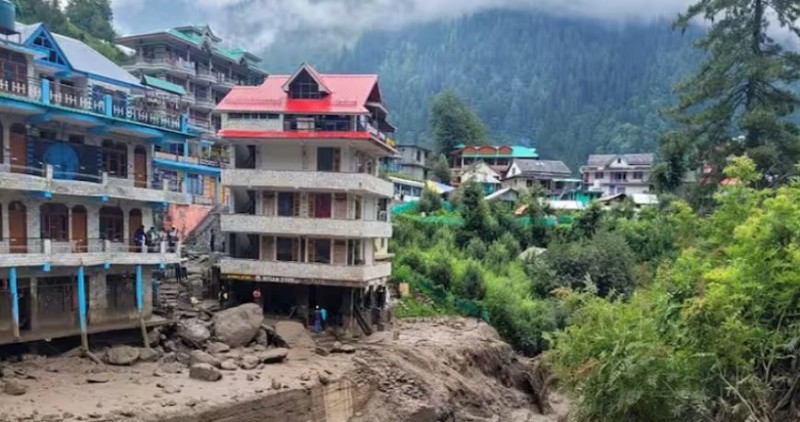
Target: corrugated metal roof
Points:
(517, 151)
(348, 95)
(83, 58)
(551, 167)
(601, 160)
(164, 85)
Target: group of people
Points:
(151, 239)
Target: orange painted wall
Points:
(185, 217)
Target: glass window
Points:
(286, 249)
(195, 184)
(320, 251)
(638, 175)
(328, 159)
(286, 204)
(54, 222)
(115, 159)
(112, 224)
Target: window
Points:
(304, 87)
(419, 155)
(328, 159)
(620, 177)
(195, 184)
(112, 224)
(13, 66)
(320, 205)
(638, 175)
(115, 159)
(319, 251)
(57, 296)
(529, 183)
(76, 139)
(54, 222)
(120, 292)
(288, 204)
(599, 175)
(53, 56)
(286, 249)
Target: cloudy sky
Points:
(256, 23)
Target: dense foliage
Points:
(569, 87)
(87, 20)
(714, 336)
(739, 100)
(453, 122)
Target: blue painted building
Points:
(78, 178)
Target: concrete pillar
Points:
(131, 169)
(139, 290)
(34, 305)
(82, 309)
(12, 279)
(6, 144)
(4, 227)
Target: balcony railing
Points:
(50, 93)
(48, 246)
(332, 126)
(206, 75)
(183, 66)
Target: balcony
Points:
(205, 75)
(323, 227)
(308, 273)
(60, 96)
(224, 83)
(48, 181)
(204, 103)
(307, 180)
(178, 66)
(89, 252)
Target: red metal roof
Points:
(348, 95)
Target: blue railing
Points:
(83, 99)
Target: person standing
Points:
(138, 238)
(257, 298)
(323, 313)
(152, 240)
(172, 239)
(317, 320)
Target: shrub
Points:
(473, 282)
(476, 249)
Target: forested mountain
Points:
(568, 86)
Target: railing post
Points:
(108, 105)
(45, 91)
(104, 178)
(48, 171)
(163, 247)
(47, 246)
(106, 245)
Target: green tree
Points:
(441, 170)
(473, 210)
(453, 122)
(742, 88)
(429, 201)
(93, 16)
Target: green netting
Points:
(442, 298)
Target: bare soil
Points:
(435, 370)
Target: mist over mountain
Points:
(568, 86)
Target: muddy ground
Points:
(428, 370)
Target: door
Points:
(19, 148)
(134, 222)
(79, 229)
(140, 167)
(17, 227)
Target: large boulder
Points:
(274, 355)
(204, 372)
(199, 356)
(294, 335)
(193, 332)
(14, 387)
(237, 326)
(122, 355)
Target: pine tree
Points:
(441, 170)
(93, 16)
(739, 99)
(453, 123)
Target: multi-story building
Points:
(498, 157)
(614, 174)
(552, 176)
(190, 66)
(310, 220)
(414, 161)
(77, 179)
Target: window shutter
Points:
(337, 158)
(312, 250)
(312, 205)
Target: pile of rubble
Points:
(236, 338)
